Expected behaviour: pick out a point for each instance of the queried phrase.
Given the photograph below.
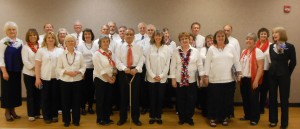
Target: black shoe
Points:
(137, 123)
(283, 127)
(83, 112)
(253, 123)
(104, 123)
(243, 119)
(262, 112)
(48, 121)
(273, 124)
(109, 121)
(180, 122)
(66, 124)
(191, 123)
(151, 121)
(75, 124)
(91, 111)
(144, 111)
(159, 122)
(121, 122)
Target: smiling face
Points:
(276, 36)
(70, 42)
(122, 32)
(250, 43)
(158, 39)
(263, 36)
(185, 41)
(11, 32)
(220, 37)
(33, 37)
(48, 28)
(209, 42)
(77, 28)
(105, 44)
(87, 37)
(142, 28)
(50, 40)
(195, 29)
(129, 36)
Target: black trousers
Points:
(202, 99)
(88, 89)
(70, 96)
(250, 100)
(11, 90)
(219, 102)
(156, 95)
(116, 92)
(231, 94)
(283, 83)
(33, 96)
(135, 95)
(49, 95)
(263, 93)
(186, 100)
(103, 99)
(170, 94)
(144, 89)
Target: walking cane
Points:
(130, 101)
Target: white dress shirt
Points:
(112, 45)
(48, 61)
(70, 62)
(235, 44)
(137, 56)
(102, 66)
(195, 65)
(139, 36)
(78, 37)
(200, 41)
(87, 51)
(245, 61)
(41, 39)
(144, 44)
(266, 59)
(28, 58)
(114, 37)
(172, 47)
(218, 64)
(158, 63)
(16, 44)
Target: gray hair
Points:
(252, 36)
(10, 24)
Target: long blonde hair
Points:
(52, 34)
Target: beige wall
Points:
(177, 15)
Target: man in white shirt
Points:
(104, 32)
(195, 28)
(113, 35)
(142, 26)
(78, 32)
(48, 27)
(232, 41)
(129, 61)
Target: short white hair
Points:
(10, 24)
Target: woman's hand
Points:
(5, 76)
(38, 83)
(174, 83)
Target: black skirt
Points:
(11, 90)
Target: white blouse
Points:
(70, 62)
(137, 54)
(158, 63)
(245, 61)
(48, 61)
(17, 44)
(102, 66)
(203, 52)
(28, 58)
(195, 65)
(218, 64)
(87, 51)
(200, 40)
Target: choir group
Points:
(145, 71)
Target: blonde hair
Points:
(282, 33)
(52, 34)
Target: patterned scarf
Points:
(108, 55)
(264, 47)
(252, 65)
(184, 68)
(31, 46)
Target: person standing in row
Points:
(88, 48)
(11, 67)
(252, 60)
(104, 78)
(130, 66)
(185, 64)
(70, 69)
(157, 65)
(46, 76)
(28, 57)
(283, 62)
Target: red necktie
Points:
(129, 56)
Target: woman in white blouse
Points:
(88, 48)
(157, 65)
(70, 69)
(185, 64)
(104, 77)
(252, 61)
(218, 63)
(11, 66)
(46, 76)
(28, 56)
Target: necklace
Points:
(88, 47)
(72, 61)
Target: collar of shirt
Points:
(190, 47)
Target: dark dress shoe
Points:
(159, 122)
(66, 124)
(243, 119)
(283, 127)
(109, 121)
(76, 124)
(273, 124)
(9, 119)
(191, 123)
(83, 112)
(137, 123)
(151, 121)
(15, 116)
(121, 122)
(180, 122)
(91, 111)
(144, 111)
(48, 121)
